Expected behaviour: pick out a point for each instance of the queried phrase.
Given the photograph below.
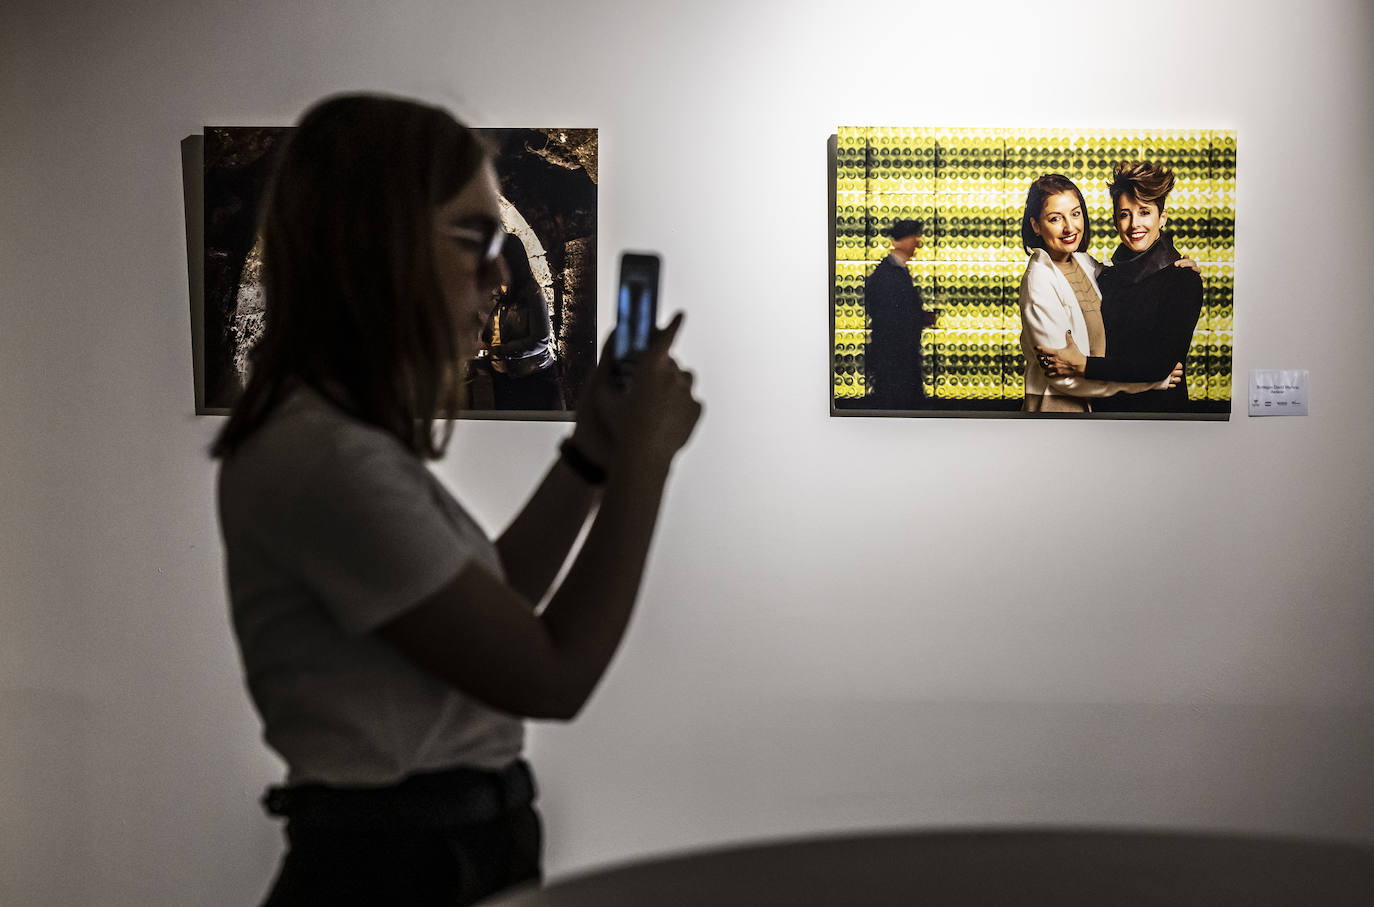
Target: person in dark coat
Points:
(1150, 307)
(896, 317)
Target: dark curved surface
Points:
(986, 867)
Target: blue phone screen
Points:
(622, 323)
(634, 319)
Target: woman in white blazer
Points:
(1060, 300)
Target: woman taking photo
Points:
(1060, 301)
(1150, 307)
(390, 648)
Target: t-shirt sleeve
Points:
(361, 526)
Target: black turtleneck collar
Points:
(1132, 267)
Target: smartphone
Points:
(636, 311)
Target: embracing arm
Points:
(1088, 387)
(1067, 363)
(1045, 323)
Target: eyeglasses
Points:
(488, 241)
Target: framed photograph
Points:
(539, 345)
(1032, 273)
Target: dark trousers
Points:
(897, 385)
(452, 839)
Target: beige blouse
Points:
(1090, 303)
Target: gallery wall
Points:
(847, 623)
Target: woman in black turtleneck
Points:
(1149, 307)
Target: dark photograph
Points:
(539, 344)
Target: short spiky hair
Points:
(1146, 181)
(353, 304)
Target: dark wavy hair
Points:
(354, 309)
(1044, 187)
(1147, 181)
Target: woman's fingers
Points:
(662, 411)
(1049, 360)
(663, 339)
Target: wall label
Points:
(1278, 392)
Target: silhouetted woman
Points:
(390, 648)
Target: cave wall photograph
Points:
(548, 179)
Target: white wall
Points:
(848, 623)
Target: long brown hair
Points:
(354, 309)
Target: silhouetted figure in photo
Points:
(390, 647)
(519, 346)
(892, 356)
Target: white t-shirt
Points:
(331, 528)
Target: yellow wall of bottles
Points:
(969, 187)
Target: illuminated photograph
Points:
(539, 345)
(1033, 273)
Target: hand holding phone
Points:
(636, 312)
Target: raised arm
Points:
(481, 635)
(536, 544)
